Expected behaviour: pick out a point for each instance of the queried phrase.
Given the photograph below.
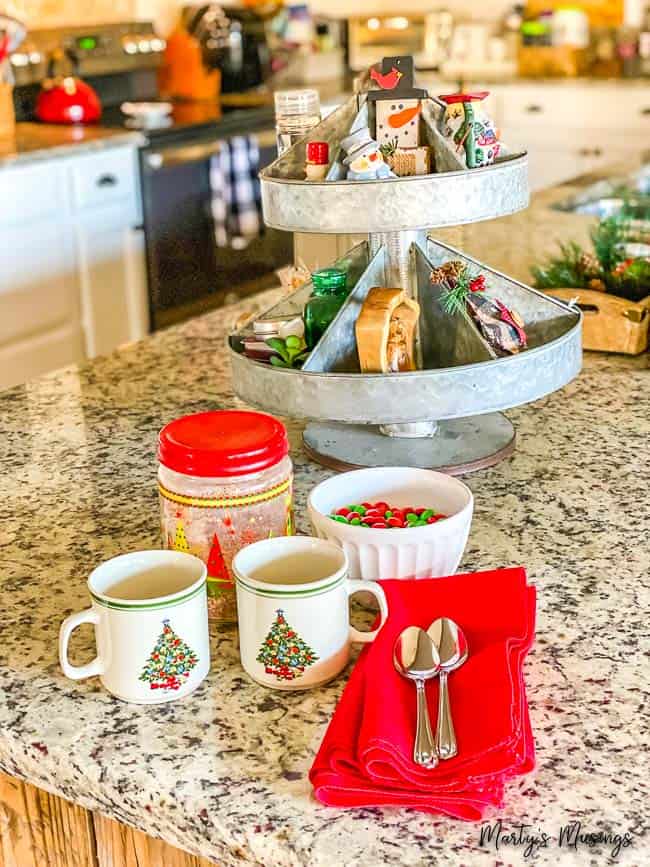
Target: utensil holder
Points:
(7, 113)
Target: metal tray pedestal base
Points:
(460, 445)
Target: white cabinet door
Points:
(40, 326)
(113, 285)
(72, 265)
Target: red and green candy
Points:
(382, 516)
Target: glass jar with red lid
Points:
(225, 480)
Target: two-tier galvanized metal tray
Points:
(446, 415)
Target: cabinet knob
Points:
(534, 109)
(645, 110)
(590, 152)
(106, 181)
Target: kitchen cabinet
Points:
(72, 267)
(572, 128)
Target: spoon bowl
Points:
(451, 644)
(416, 658)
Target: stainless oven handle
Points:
(177, 156)
(193, 153)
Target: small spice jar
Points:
(317, 162)
(296, 112)
(225, 480)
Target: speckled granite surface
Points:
(223, 773)
(33, 142)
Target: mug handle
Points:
(77, 672)
(353, 585)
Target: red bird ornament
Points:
(388, 81)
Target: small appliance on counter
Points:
(66, 98)
(212, 51)
(12, 33)
(425, 36)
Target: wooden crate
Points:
(551, 61)
(610, 323)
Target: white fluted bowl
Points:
(418, 552)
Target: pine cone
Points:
(589, 265)
(448, 273)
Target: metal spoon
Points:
(451, 644)
(416, 658)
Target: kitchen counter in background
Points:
(223, 774)
(43, 141)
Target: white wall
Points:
(460, 8)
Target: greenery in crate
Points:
(607, 269)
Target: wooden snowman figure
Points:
(397, 103)
(397, 114)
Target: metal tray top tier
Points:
(448, 198)
(459, 378)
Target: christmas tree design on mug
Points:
(170, 662)
(283, 653)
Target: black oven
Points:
(188, 273)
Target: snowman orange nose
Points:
(372, 157)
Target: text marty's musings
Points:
(570, 836)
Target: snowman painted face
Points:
(367, 162)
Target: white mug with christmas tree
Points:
(150, 614)
(292, 601)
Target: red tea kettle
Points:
(66, 98)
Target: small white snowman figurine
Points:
(364, 160)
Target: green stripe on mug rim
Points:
(271, 593)
(154, 605)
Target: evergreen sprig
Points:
(608, 238)
(454, 296)
(562, 270)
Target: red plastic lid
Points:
(222, 443)
(318, 153)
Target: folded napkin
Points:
(366, 755)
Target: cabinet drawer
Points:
(572, 107)
(103, 179)
(29, 193)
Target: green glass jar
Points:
(329, 291)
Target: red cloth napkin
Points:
(366, 755)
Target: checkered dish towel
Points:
(236, 197)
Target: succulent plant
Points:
(291, 351)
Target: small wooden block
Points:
(410, 161)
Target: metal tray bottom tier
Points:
(458, 446)
(411, 412)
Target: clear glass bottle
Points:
(296, 112)
(329, 291)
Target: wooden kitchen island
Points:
(221, 776)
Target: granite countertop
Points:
(43, 141)
(223, 773)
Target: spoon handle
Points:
(446, 745)
(424, 750)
